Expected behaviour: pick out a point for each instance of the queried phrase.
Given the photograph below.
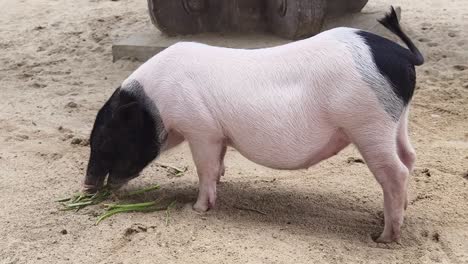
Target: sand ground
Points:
(56, 72)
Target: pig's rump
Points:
(286, 107)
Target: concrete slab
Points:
(144, 45)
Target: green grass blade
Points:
(123, 210)
(129, 206)
(170, 206)
(63, 200)
(110, 213)
(78, 204)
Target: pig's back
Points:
(277, 106)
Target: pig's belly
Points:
(285, 151)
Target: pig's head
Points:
(123, 141)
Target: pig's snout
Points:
(95, 174)
(93, 184)
(93, 181)
(87, 188)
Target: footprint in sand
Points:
(17, 137)
(38, 85)
(426, 26)
(430, 44)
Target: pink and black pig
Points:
(287, 107)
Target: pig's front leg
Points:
(206, 155)
(222, 169)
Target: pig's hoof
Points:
(201, 208)
(386, 240)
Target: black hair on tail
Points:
(390, 21)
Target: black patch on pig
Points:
(394, 62)
(98, 165)
(126, 136)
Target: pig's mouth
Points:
(118, 182)
(113, 183)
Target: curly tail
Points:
(390, 21)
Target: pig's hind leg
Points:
(379, 149)
(405, 149)
(206, 155)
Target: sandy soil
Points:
(56, 72)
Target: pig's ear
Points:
(130, 113)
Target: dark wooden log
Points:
(291, 19)
(295, 19)
(341, 7)
(182, 17)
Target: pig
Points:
(286, 107)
